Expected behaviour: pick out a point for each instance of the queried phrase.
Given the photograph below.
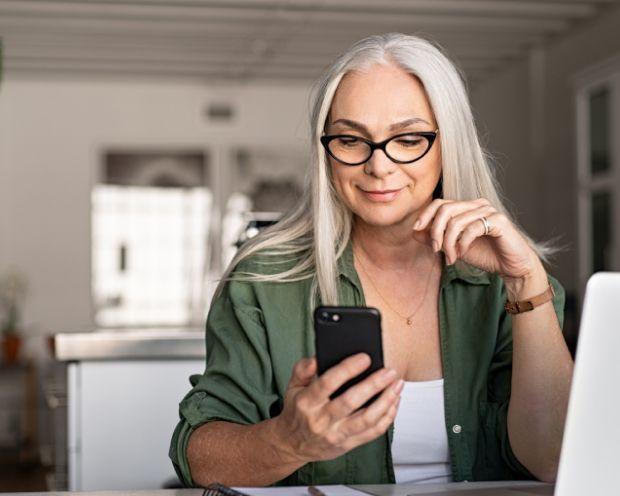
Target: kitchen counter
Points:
(145, 343)
(130, 375)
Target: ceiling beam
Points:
(239, 48)
(525, 8)
(160, 15)
(185, 66)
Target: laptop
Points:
(590, 458)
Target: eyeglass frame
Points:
(429, 135)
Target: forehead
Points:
(381, 93)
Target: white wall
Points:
(3, 180)
(544, 190)
(504, 131)
(52, 133)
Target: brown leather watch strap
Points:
(531, 303)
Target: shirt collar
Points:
(449, 273)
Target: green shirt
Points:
(257, 331)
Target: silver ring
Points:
(487, 226)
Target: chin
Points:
(385, 218)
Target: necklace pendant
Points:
(409, 321)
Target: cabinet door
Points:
(121, 418)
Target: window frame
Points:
(605, 74)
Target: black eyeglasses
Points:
(403, 148)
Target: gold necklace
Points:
(409, 318)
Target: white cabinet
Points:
(121, 416)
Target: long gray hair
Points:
(316, 232)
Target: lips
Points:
(385, 195)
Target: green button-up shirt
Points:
(256, 331)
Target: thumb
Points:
(303, 372)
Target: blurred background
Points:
(142, 140)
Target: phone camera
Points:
(335, 317)
(325, 315)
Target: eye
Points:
(348, 141)
(409, 141)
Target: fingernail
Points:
(435, 246)
(390, 373)
(417, 224)
(363, 358)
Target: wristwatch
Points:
(514, 307)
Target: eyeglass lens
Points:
(354, 150)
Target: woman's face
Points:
(373, 104)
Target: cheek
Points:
(341, 178)
(429, 170)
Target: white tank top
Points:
(420, 443)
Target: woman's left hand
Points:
(456, 228)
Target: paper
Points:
(336, 490)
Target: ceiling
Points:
(266, 40)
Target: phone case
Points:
(354, 330)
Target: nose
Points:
(379, 165)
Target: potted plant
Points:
(12, 292)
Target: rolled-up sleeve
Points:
(495, 411)
(237, 385)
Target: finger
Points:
(445, 213)
(336, 376)
(368, 417)
(428, 213)
(357, 395)
(375, 431)
(455, 227)
(303, 372)
(476, 230)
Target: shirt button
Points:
(456, 428)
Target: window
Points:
(598, 120)
(166, 224)
(150, 224)
(600, 154)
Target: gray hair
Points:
(315, 233)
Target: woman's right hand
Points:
(312, 427)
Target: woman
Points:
(402, 214)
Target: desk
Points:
(464, 487)
(376, 490)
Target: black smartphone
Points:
(344, 331)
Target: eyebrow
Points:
(393, 127)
